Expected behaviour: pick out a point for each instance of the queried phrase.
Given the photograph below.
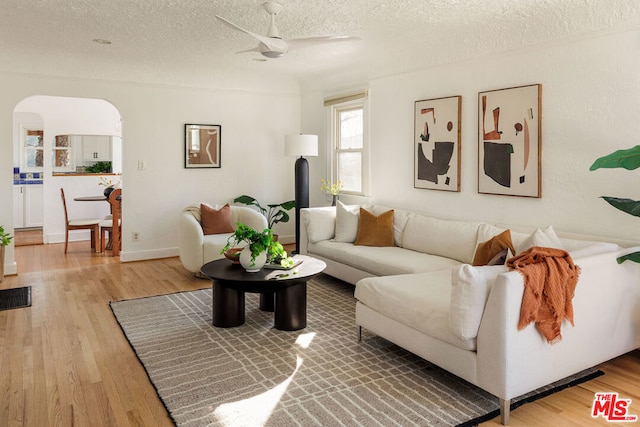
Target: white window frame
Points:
(333, 110)
(24, 149)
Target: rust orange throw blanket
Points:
(550, 279)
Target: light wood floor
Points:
(65, 362)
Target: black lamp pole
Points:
(302, 193)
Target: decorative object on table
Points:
(629, 160)
(108, 184)
(436, 135)
(331, 188)
(509, 141)
(260, 246)
(233, 255)
(284, 264)
(300, 146)
(99, 167)
(202, 146)
(5, 240)
(275, 213)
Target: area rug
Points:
(15, 298)
(255, 375)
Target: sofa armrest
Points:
(190, 241)
(316, 224)
(513, 362)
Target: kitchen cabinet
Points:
(96, 148)
(28, 208)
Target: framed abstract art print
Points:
(436, 134)
(202, 146)
(509, 141)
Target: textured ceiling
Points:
(181, 42)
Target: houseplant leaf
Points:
(628, 159)
(632, 207)
(634, 256)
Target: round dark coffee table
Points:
(282, 291)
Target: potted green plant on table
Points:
(274, 213)
(5, 239)
(260, 247)
(630, 160)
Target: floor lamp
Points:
(300, 146)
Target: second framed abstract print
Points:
(509, 141)
(436, 136)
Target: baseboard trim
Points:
(129, 256)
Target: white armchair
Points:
(196, 248)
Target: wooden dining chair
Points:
(80, 224)
(106, 225)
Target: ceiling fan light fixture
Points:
(272, 54)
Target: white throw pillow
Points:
(470, 288)
(347, 218)
(320, 223)
(546, 238)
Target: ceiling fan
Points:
(272, 45)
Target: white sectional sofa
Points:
(423, 295)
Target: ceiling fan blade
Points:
(312, 41)
(273, 44)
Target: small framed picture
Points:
(509, 141)
(202, 145)
(436, 135)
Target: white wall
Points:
(153, 118)
(590, 107)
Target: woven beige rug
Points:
(255, 375)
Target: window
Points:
(32, 149)
(349, 143)
(62, 154)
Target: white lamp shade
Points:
(301, 145)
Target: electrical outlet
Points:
(135, 236)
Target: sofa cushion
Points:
(593, 248)
(216, 221)
(400, 218)
(421, 301)
(346, 222)
(380, 261)
(320, 223)
(451, 239)
(375, 230)
(487, 251)
(470, 287)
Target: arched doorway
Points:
(59, 161)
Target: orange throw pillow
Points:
(375, 230)
(486, 251)
(216, 221)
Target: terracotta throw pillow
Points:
(216, 221)
(486, 251)
(375, 230)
